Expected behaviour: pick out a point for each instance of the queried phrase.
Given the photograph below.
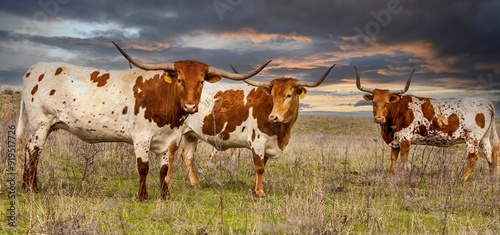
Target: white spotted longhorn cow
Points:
(259, 117)
(145, 107)
(408, 119)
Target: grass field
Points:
(332, 180)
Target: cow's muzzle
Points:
(275, 118)
(190, 108)
(379, 120)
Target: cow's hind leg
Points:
(471, 159)
(142, 155)
(172, 149)
(30, 179)
(486, 150)
(405, 151)
(259, 165)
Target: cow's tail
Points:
(20, 147)
(495, 153)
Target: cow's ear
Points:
(168, 75)
(267, 89)
(393, 98)
(368, 97)
(301, 91)
(212, 78)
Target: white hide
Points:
(262, 145)
(93, 114)
(468, 131)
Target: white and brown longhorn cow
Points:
(145, 107)
(258, 118)
(408, 119)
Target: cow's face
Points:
(381, 104)
(285, 93)
(189, 77)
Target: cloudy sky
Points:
(454, 45)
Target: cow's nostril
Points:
(274, 118)
(379, 120)
(190, 108)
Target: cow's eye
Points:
(386, 104)
(201, 82)
(288, 96)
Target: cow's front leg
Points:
(190, 144)
(166, 172)
(142, 155)
(394, 159)
(259, 165)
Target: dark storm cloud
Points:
(438, 21)
(463, 34)
(455, 27)
(6, 76)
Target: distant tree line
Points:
(9, 91)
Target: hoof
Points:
(259, 194)
(165, 193)
(196, 186)
(166, 197)
(143, 198)
(31, 189)
(465, 177)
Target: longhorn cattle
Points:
(408, 119)
(137, 106)
(240, 116)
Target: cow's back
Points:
(448, 122)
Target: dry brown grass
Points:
(332, 180)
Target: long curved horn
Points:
(251, 83)
(406, 87)
(145, 66)
(257, 84)
(236, 75)
(315, 84)
(358, 83)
